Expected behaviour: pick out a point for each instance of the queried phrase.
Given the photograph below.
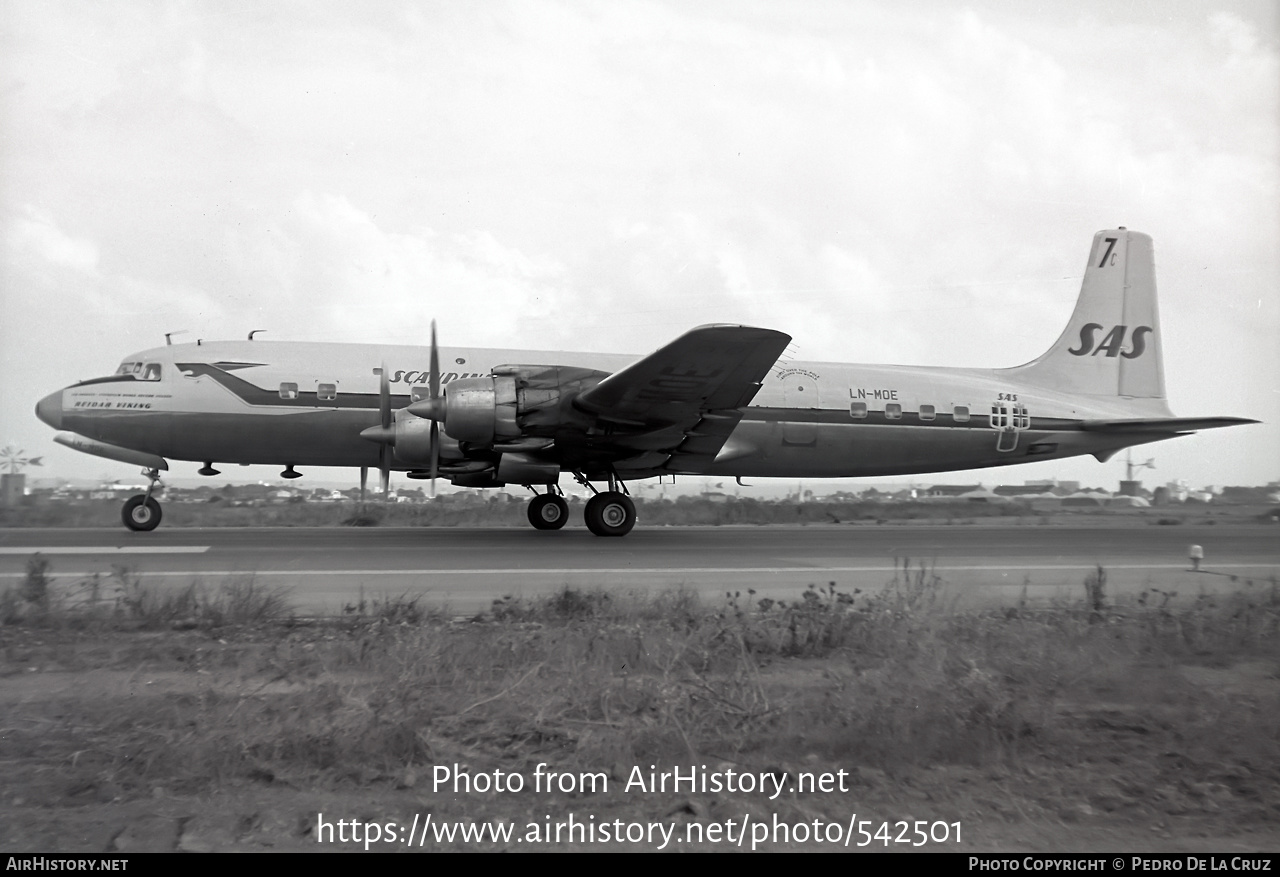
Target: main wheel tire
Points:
(610, 514)
(548, 512)
(141, 513)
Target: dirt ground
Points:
(82, 775)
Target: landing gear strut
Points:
(611, 513)
(141, 512)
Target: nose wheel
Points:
(142, 512)
(548, 511)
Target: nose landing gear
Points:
(141, 512)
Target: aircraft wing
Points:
(1161, 425)
(689, 391)
(707, 368)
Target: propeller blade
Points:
(434, 379)
(364, 479)
(385, 432)
(384, 471)
(384, 396)
(435, 455)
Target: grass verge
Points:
(605, 680)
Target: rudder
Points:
(1111, 346)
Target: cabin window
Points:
(327, 392)
(151, 371)
(960, 414)
(858, 410)
(288, 391)
(418, 392)
(926, 412)
(893, 411)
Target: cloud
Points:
(34, 242)
(331, 272)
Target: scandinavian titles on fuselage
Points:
(401, 376)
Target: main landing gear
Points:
(141, 512)
(607, 513)
(548, 511)
(611, 513)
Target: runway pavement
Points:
(466, 569)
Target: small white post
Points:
(1196, 553)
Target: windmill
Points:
(13, 459)
(13, 483)
(1129, 487)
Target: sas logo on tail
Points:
(1113, 341)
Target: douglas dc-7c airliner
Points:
(715, 401)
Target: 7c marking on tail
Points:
(1111, 245)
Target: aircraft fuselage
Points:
(270, 403)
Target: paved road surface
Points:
(466, 569)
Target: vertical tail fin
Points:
(1111, 346)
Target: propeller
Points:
(384, 434)
(384, 449)
(433, 385)
(432, 408)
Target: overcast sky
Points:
(900, 182)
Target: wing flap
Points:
(701, 444)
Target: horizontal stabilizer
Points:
(1161, 425)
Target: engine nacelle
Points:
(513, 402)
(543, 393)
(413, 441)
(478, 410)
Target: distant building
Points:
(1125, 501)
(952, 489)
(1084, 499)
(1054, 486)
(1245, 495)
(1028, 489)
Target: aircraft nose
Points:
(49, 409)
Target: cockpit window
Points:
(129, 368)
(151, 371)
